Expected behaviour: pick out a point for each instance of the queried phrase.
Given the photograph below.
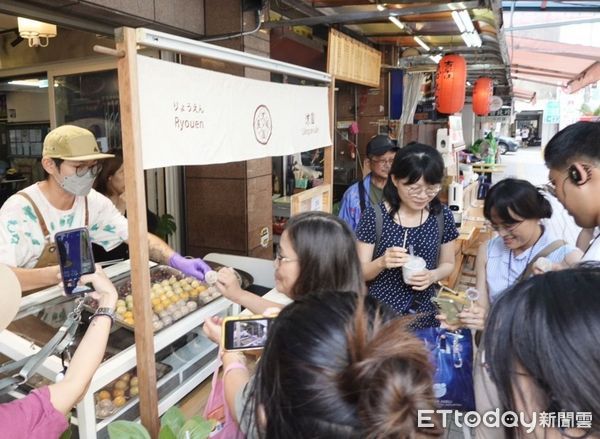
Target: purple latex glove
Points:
(192, 267)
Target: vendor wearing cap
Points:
(381, 151)
(65, 200)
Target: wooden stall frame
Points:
(128, 42)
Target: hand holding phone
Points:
(245, 333)
(75, 258)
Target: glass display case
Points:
(184, 358)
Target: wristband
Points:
(105, 311)
(233, 366)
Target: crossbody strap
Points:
(378, 227)
(554, 245)
(440, 222)
(362, 196)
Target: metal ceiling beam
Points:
(551, 24)
(372, 16)
(413, 34)
(524, 66)
(553, 84)
(538, 73)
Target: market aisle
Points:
(527, 164)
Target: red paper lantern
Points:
(482, 93)
(450, 80)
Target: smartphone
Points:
(450, 307)
(245, 333)
(75, 258)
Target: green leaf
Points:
(67, 433)
(174, 419)
(195, 428)
(166, 433)
(127, 430)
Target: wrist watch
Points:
(104, 311)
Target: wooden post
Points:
(329, 154)
(138, 231)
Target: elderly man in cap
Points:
(65, 200)
(381, 151)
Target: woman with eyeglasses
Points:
(542, 352)
(515, 210)
(411, 226)
(316, 253)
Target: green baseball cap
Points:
(70, 142)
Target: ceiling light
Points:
(458, 21)
(36, 32)
(380, 7)
(397, 22)
(436, 58)
(40, 83)
(421, 43)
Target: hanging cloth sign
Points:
(193, 116)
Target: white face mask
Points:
(76, 185)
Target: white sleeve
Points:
(108, 227)
(20, 234)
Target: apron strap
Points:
(37, 213)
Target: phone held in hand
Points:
(75, 258)
(245, 333)
(450, 303)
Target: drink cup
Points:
(415, 264)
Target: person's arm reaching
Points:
(159, 251)
(35, 278)
(90, 351)
(229, 286)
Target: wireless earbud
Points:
(575, 175)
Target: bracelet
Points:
(233, 366)
(108, 312)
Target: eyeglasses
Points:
(94, 169)
(279, 259)
(430, 191)
(387, 162)
(507, 228)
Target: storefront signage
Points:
(192, 116)
(352, 61)
(552, 112)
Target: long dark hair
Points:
(109, 168)
(412, 162)
(549, 325)
(518, 196)
(336, 364)
(326, 252)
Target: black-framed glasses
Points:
(94, 169)
(430, 191)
